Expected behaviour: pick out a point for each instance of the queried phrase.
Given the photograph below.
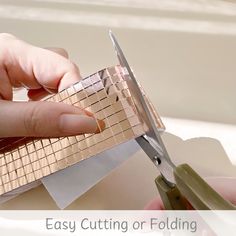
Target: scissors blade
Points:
(152, 135)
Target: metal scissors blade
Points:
(151, 142)
(176, 183)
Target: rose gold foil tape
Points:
(104, 93)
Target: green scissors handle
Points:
(190, 188)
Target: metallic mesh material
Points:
(105, 94)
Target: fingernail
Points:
(100, 123)
(51, 91)
(100, 126)
(78, 124)
(88, 113)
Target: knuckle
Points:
(6, 36)
(32, 122)
(5, 40)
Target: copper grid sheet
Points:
(105, 94)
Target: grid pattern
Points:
(105, 94)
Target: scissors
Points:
(179, 186)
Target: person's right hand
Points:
(224, 186)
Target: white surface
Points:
(188, 129)
(67, 185)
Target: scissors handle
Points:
(190, 188)
(170, 196)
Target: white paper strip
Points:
(67, 185)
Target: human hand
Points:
(39, 70)
(223, 185)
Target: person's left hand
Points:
(41, 71)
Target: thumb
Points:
(45, 119)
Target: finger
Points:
(37, 94)
(5, 86)
(223, 185)
(155, 204)
(67, 82)
(45, 119)
(57, 73)
(35, 67)
(69, 78)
